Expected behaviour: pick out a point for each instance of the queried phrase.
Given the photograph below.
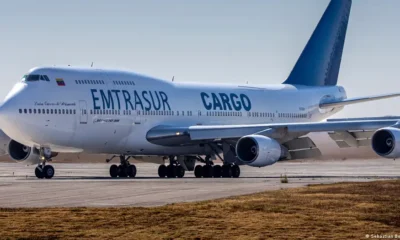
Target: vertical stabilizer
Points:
(319, 63)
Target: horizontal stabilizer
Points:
(341, 103)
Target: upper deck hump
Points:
(109, 74)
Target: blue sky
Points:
(201, 41)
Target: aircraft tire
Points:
(131, 171)
(235, 169)
(198, 171)
(162, 171)
(217, 171)
(114, 171)
(226, 171)
(171, 171)
(180, 171)
(48, 171)
(39, 172)
(122, 171)
(207, 171)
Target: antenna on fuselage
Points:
(91, 65)
(173, 78)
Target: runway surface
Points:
(89, 185)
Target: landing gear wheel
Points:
(171, 171)
(226, 171)
(198, 171)
(39, 172)
(207, 171)
(235, 170)
(48, 171)
(180, 171)
(122, 171)
(114, 171)
(162, 171)
(131, 171)
(217, 171)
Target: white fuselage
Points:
(106, 111)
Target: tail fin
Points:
(319, 63)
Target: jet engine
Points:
(23, 154)
(386, 142)
(258, 151)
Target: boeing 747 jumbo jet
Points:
(53, 110)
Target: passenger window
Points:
(20, 110)
(59, 111)
(30, 111)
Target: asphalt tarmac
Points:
(89, 185)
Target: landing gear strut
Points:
(125, 169)
(173, 170)
(43, 170)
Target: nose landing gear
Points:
(43, 170)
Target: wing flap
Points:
(348, 139)
(300, 143)
(305, 153)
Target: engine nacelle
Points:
(258, 151)
(23, 154)
(386, 142)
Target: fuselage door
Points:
(136, 117)
(83, 116)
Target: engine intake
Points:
(258, 151)
(23, 154)
(386, 142)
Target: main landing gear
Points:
(173, 170)
(125, 169)
(217, 171)
(43, 170)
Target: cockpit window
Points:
(34, 77)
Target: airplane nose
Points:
(5, 114)
(8, 109)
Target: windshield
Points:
(34, 77)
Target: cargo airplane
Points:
(66, 109)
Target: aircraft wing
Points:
(282, 132)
